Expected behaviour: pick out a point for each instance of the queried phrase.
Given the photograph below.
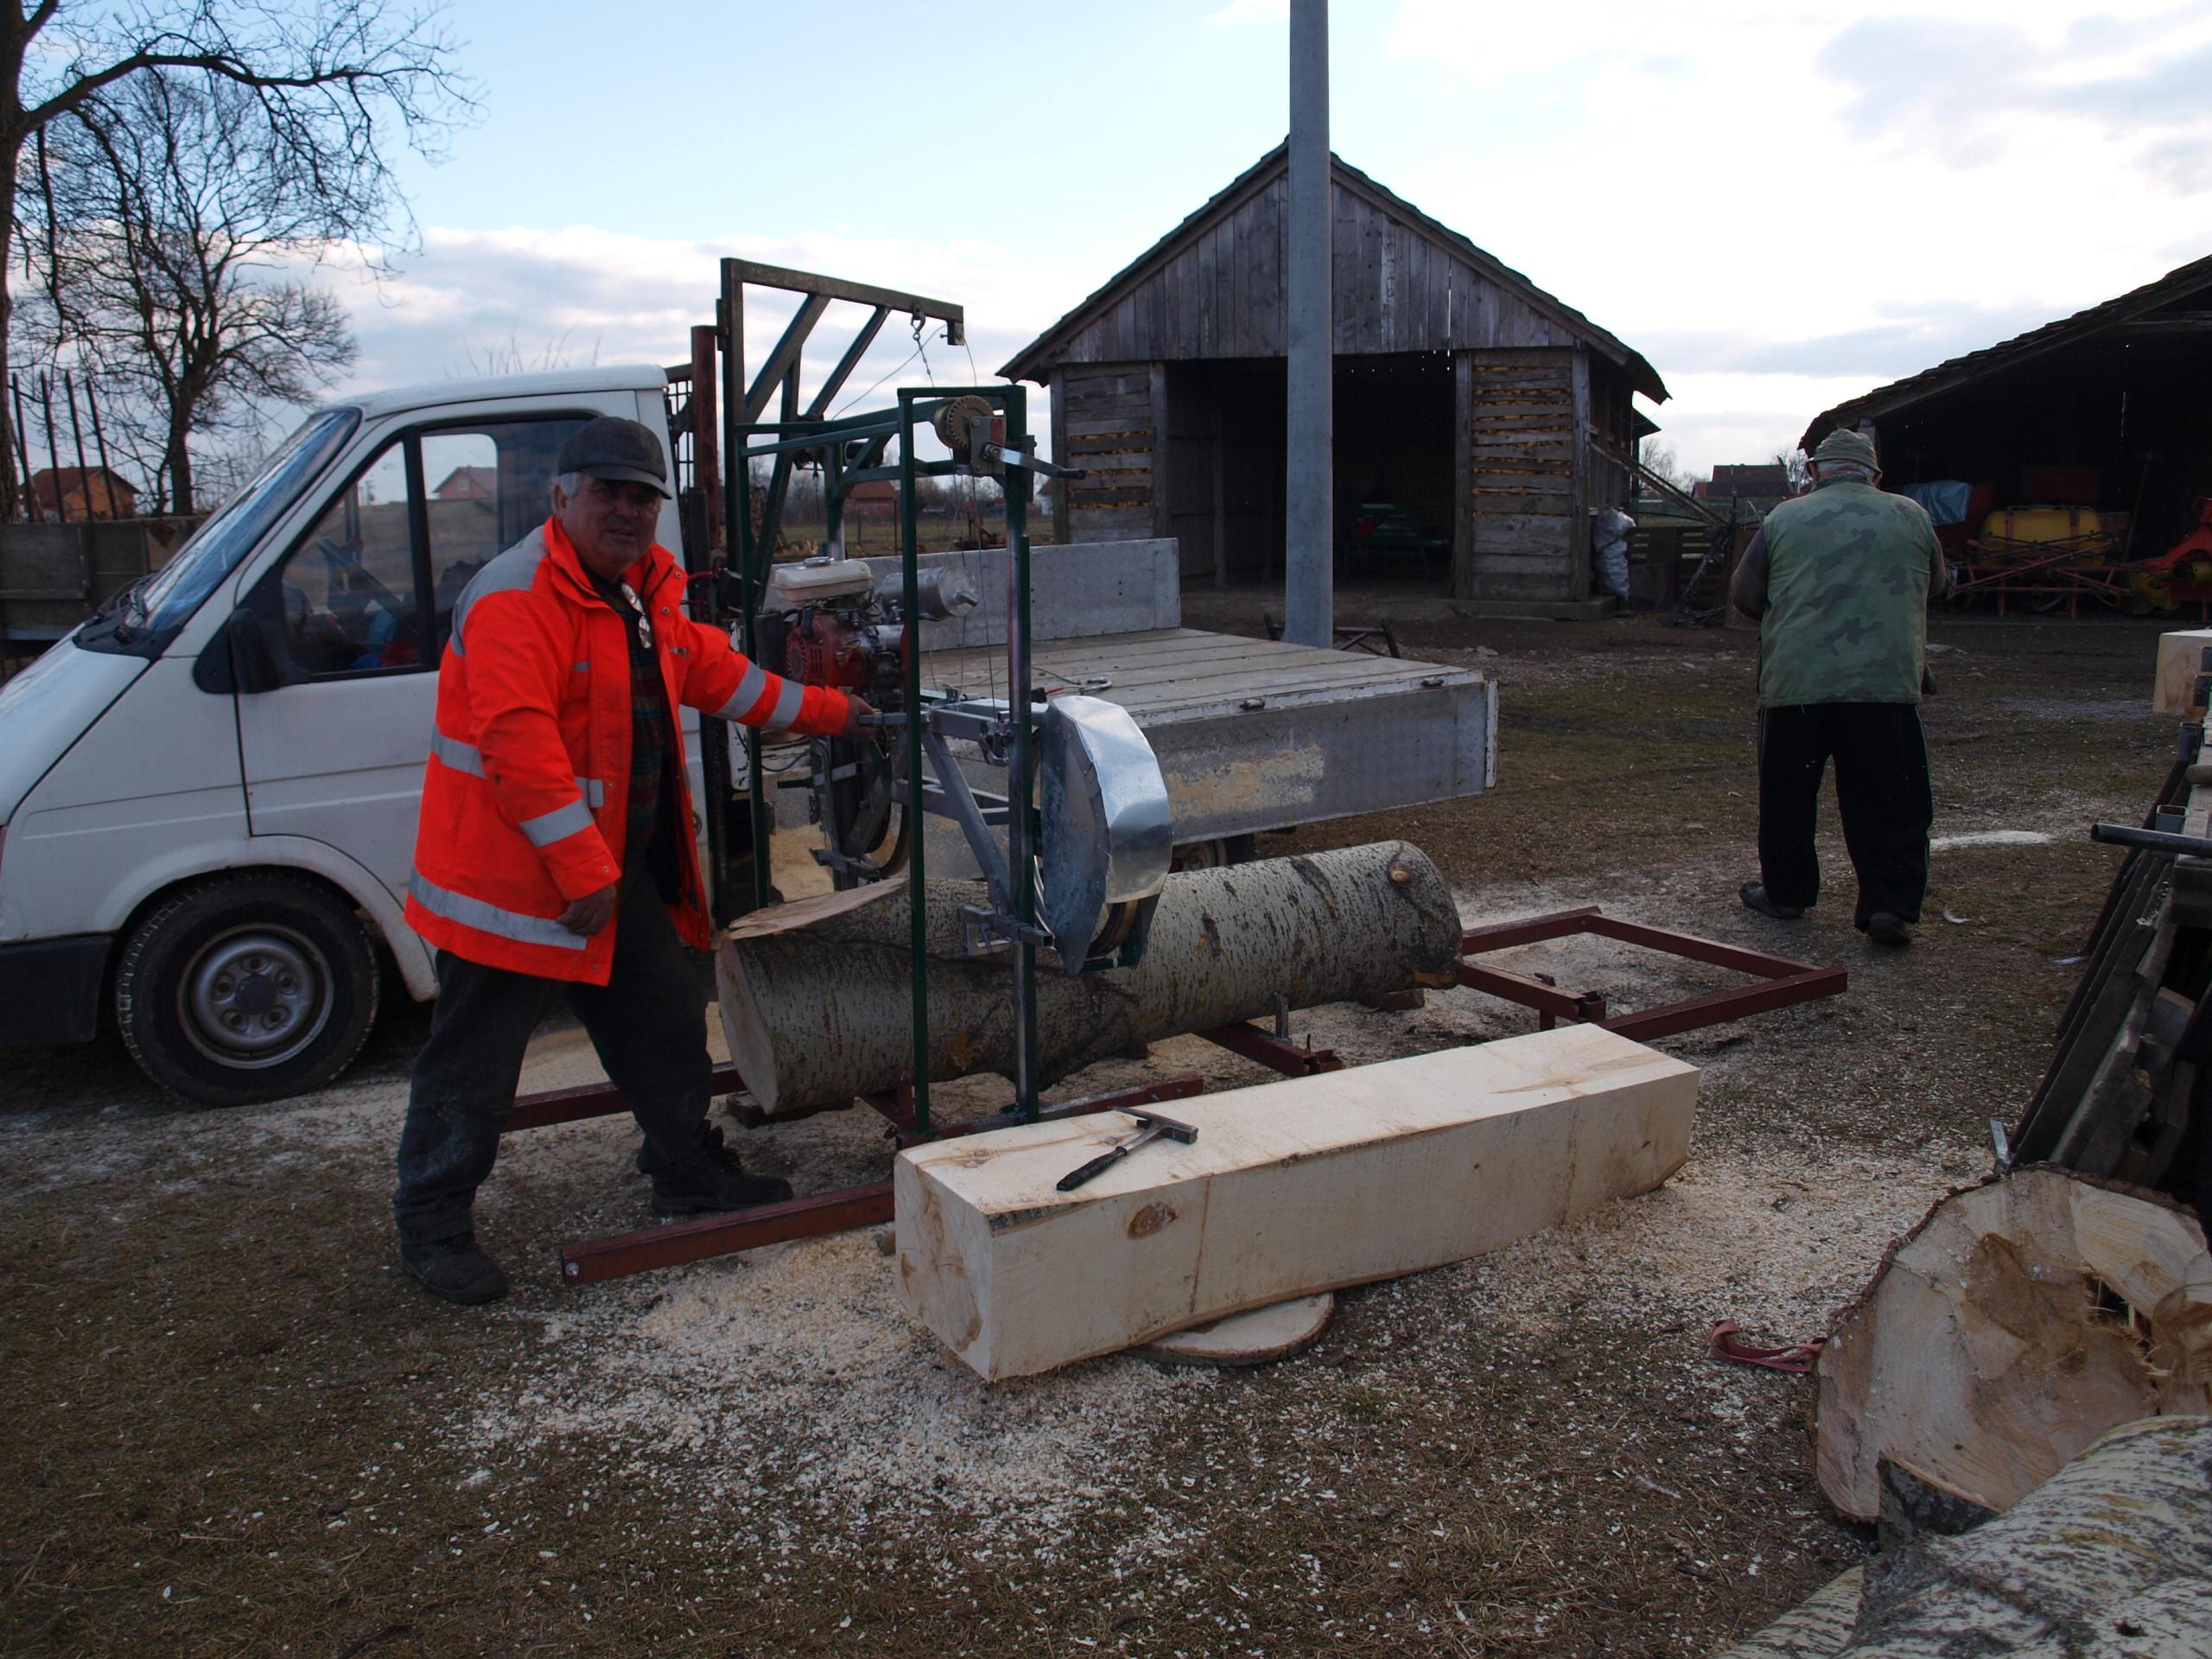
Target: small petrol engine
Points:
(832, 621)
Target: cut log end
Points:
(2021, 1319)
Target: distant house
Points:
(875, 500)
(468, 484)
(1763, 486)
(83, 492)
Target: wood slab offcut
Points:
(1291, 1187)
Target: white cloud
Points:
(1781, 206)
(475, 302)
(1734, 187)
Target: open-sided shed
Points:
(1475, 413)
(2104, 408)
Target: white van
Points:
(208, 791)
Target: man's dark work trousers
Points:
(1881, 789)
(648, 1023)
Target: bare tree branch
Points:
(190, 239)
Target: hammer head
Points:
(1173, 1128)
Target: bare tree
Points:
(1797, 468)
(1657, 456)
(326, 89)
(167, 253)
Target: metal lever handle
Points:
(1098, 1165)
(2151, 841)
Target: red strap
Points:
(1797, 1357)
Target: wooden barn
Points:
(1480, 422)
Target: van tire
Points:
(246, 987)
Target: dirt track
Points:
(232, 1426)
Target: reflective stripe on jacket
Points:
(526, 793)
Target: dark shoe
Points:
(712, 1181)
(455, 1269)
(1884, 928)
(1754, 895)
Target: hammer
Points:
(1154, 1126)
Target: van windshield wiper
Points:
(122, 606)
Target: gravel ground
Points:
(232, 1426)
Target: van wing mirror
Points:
(242, 659)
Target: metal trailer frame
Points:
(1781, 983)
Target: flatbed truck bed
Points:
(1251, 734)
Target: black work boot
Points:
(455, 1268)
(1753, 894)
(712, 1181)
(1885, 927)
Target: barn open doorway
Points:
(1393, 465)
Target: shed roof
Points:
(2177, 284)
(1033, 360)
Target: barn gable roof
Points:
(1033, 360)
(2130, 307)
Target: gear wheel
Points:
(953, 418)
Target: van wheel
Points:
(246, 989)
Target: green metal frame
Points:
(915, 410)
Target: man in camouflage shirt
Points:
(1841, 579)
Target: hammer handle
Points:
(1098, 1165)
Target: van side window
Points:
(490, 486)
(348, 589)
(370, 588)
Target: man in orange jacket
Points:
(555, 851)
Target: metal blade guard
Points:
(1106, 833)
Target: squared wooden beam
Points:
(1289, 1188)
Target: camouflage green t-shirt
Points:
(1848, 571)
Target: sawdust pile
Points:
(790, 1386)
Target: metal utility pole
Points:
(1309, 495)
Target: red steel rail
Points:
(1780, 982)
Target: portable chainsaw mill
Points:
(1075, 845)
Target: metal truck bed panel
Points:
(1257, 734)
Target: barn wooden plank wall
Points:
(1526, 481)
(1104, 421)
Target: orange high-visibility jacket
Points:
(525, 798)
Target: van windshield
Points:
(149, 616)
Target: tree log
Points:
(2021, 1320)
(2112, 1557)
(819, 1013)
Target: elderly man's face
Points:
(610, 521)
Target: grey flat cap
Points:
(619, 450)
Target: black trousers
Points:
(648, 1023)
(1881, 789)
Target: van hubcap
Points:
(255, 996)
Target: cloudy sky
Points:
(1780, 204)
